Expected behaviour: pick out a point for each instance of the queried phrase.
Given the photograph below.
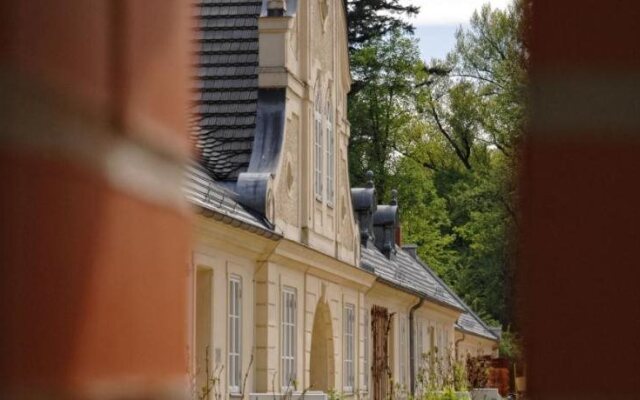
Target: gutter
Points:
(229, 220)
(412, 346)
(419, 294)
(470, 332)
(455, 345)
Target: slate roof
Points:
(469, 320)
(226, 84)
(406, 272)
(471, 323)
(413, 274)
(209, 195)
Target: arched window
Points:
(318, 143)
(330, 151)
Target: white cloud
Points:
(450, 12)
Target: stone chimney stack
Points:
(276, 8)
(398, 231)
(412, 249)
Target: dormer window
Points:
(318, 144)
(330, 152)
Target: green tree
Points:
(372, 19)
(446, 136)
(383, 109)
(369, 21)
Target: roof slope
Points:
(406, 272)
(226, 84)
(202, 191)
(469, 320)
(414, 275)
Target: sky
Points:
(438, 20)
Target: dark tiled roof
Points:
(226, 85)
(413, 274)
(406, 272)
(202, 191)
(468, 321)
(471, 323)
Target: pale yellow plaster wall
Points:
(473, 345)
(305, 53)
(399, 303)
(266, 266)
(271, 278)
(222, 265)
(437, 322)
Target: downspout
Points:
(457, 342)
(412, 346)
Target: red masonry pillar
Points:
(94, 233)
(581, 202)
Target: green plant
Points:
(211, 388)
(510, 345)
(440, 377)
(211, 383)
(478, 371)
(333, 394)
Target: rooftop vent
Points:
(411, 249)
(364, 206)
(385, 224)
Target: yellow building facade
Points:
(297, 280)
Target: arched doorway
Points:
(322, 359)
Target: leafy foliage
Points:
(446, 135)
(371, 19)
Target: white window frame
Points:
(318, 145)
(289, 337)
(367, 345)
(234, 370)
(348, 372)
(330, 151)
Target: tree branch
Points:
(464, 159)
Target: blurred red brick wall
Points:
(581, 202)
(94, 238)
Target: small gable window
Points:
(318, 144)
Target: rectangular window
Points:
(366, 367)
(318, 153)
(288, 345)
(402, 343)
(349, 347)
(330, 156)
(235, 333)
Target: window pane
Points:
(235, 333)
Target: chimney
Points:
(412, 249)
(276, 8)
(385, 223)
(399, 235)
(364, 206)
(398, 231)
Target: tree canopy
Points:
(371, 19)
(445, 134)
